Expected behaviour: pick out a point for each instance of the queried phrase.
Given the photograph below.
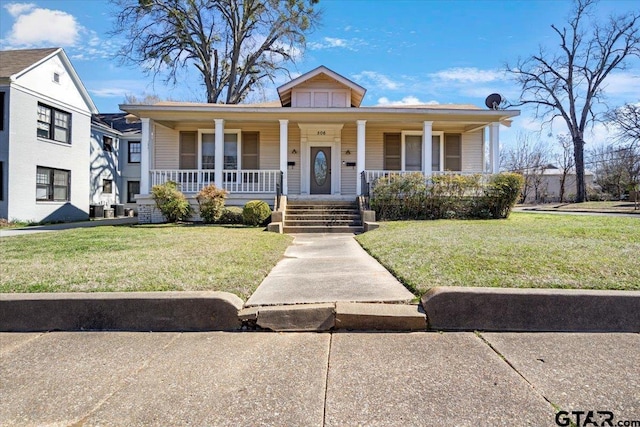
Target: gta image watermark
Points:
(592, 419)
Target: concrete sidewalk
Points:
(310, 379)
(67, 226)
(326, 268)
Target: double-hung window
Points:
(206, 146)
(135, 151)
(54, 124)
(53, 184)
(133, 188)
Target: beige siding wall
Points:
(374, 154)
(349, 174)
(293, 172)
(166, 148)
(167, 151)
(472, 154)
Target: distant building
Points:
(547, 189)
(115, 159)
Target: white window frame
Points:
(237, 132)
(403, 159)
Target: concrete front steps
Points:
(322, 216)
(335, 316)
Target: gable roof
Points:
(14, 62)
(357, 91)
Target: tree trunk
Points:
(578, 150)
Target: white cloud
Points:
(623, 84)
(468, 75)
(380, 81)
(335, 43)
(407, 100)
(38, 27)
(16, 9)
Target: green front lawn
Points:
(527, 250)
(140, 258)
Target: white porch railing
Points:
(372, 175)
(234, 181)
(369, 176)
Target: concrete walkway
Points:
(67, 226)
(320, 268)
(311, 379)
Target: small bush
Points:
(231, 215)
(502, 193)
(211, 202)
(171, 202)
(256, 212)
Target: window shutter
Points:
(392, 151)
(250, 150)
(453, 152)
(188, 150)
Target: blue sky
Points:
(402, 52)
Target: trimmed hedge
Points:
(231, 215)
(256, 212)
(411, 196)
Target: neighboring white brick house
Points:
(115, 159)
(44, 137)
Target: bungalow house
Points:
(115, 159)
(45, 121)
(315, 142)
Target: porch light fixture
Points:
(294, 151)
(347, 152)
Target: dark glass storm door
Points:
(320, 170)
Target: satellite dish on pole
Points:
(493, 101)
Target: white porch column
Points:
(494, 147)
(284, 154)
(145, 155)
(427, 136)
(219, 152)
(360, 154)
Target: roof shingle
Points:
(14, 61)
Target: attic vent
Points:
(56, 77)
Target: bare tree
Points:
(234, 44)
(617, 168)
(569, 83)
(146, 99)
(626, 121)
(564, 161)
(529, 158)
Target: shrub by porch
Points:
(412, 196)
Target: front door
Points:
(320, 170)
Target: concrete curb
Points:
(121, 311)
(531, 310)
(322, 317)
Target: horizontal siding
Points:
(167, 144)
(293, 172)
(166, 148)
(472, 154)
(348, 174)
(374, 155)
